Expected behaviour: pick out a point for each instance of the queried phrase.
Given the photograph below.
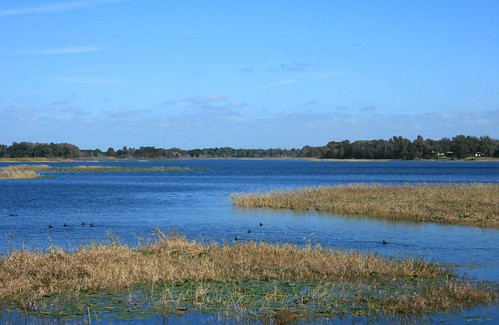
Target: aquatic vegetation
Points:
(111, 169)
(21, 171)
(251, 280)
(466, 204)
(33, 171)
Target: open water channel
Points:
(196, 203)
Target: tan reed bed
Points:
(470, 204)
(258, 278)
(32, 171)
(21, 171)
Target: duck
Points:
(50, 226)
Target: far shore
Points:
(79, 159)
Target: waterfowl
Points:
(385, 242)
(261, 224)
(236, 238)
(91, 225)
(65, 225)
(82, 223)
(249, 231)
(50, 226)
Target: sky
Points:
(246, 74)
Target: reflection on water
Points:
(197, 203)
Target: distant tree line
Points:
(459, 147)
(40, 150)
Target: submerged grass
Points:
(471, 204)
(251, 280)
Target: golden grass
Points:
(21, 171)
(473, 204)
(32, 171)
(27, 277)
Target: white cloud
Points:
(281, 83)
(205, 102)
(42, 9)
(53, 7)
(223, 126)
(84, 80)
(64, 50)
(367, 109)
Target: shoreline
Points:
(81, 159)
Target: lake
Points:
(196, 203)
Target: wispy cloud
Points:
(281, 83)
(290, 66)
(63, 50)
(205, 102)
(53, 7)
(310, 103)
(293, 73)
(367, 109)
(88, 80)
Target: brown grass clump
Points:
(21, 171)
(27, 277)
(473, 204)
(32, 171)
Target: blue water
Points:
(197, 203)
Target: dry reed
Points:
(32, 171)
(28, 277)
(471, 204)
(21, 171)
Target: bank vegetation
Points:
(36, 171)
(258, 280)
(463, 204)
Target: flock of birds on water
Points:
(82, 224)
(64, 224)
(236, 238)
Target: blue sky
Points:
(252, 74)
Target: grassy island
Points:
(270, 282)
(470, 204)
(33, 171)
(20, 172)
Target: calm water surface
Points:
(197, 203)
